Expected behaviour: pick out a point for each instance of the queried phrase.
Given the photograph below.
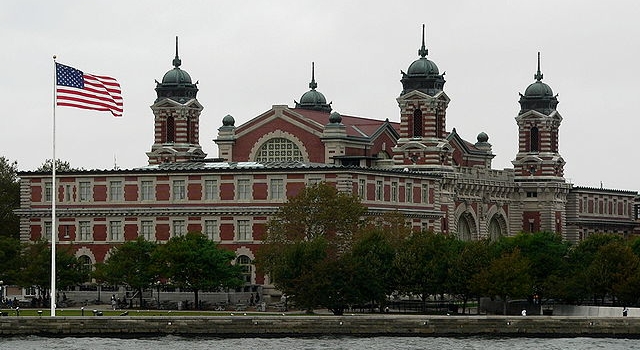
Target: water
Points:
(346, 343)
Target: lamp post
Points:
(158, 296)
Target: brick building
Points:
(440, 181)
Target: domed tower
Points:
(423, 106)
(538, 167)
(538, 124)
(177, 118)
(313, 99)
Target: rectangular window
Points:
(362, 185)
(379, 190)
(47, 192)
(84, 228)
(146, 230)
(67, 193)
(408, 187)
(244, 230)
(115, 231)
(147, 190)
(179, 190)
(276, 189)
(115, 190)
(46, 234)
(394, 191)
(532, 194)
(179, 228)
(211, 230)
(244, 189)
(211, 189)
(85, 191)
(314, 181)
(425, 193)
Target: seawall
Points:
(300, 326)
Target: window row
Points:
(113, 230)
(604, 206)
(394, 190)
(148, 190)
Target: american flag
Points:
(97, 92)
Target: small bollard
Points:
(95, 312)
(39, 312)
(82, 311)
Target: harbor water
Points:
(328, 342)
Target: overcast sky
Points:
(250, 55)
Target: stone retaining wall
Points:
(359, 325)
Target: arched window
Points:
(278, 149)
(464, 230)
(417, 123)
(245, 264)
(438, 124)
(533, 147)
(189, 131)
(85, 265)
(495, 232)
(171, 129)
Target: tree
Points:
(423, 263)
(10, 257)
(36, 267)
(613, 265)
(304, 242)
(466, 263)
(60, 166)
(132, 264)
(546, 251)
(372, 258)
(575, 284)
(9, 198)
(193, 261)
(507, 276)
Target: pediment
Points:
(419, 95)
(267, 120)
(169, 103)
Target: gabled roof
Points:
(355, 126)
(468, 147)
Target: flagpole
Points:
(54, 227)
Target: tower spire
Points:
(176, 61)
(538, 76)
(313, 85)
(423, 50)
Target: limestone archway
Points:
(497, 224)
(466, 224)
(497, 227)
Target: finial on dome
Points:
(176, 61)
(313, 84)
(538, 75)
(423, 50)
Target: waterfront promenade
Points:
(318, 325)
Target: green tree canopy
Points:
(61, 165)
(304, 243)
(423, 263)
(9, 198)
(546, 251)
(133, 263)
(470, 259)
(507, 276)
(193, 261)
(613, 265)
(36, 267)
(10, 249)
